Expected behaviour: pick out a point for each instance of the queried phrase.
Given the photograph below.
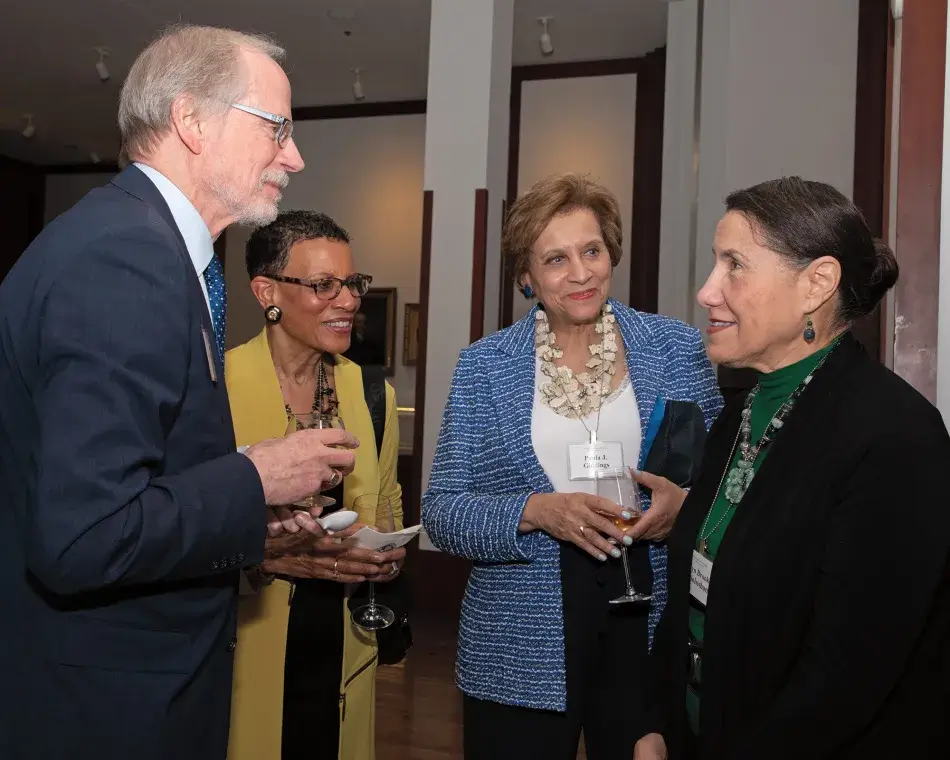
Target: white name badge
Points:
(699, 576)
(585, 459)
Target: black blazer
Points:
(828, 617)
(125, 511)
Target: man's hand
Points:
(303, 463)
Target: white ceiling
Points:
(47, 62)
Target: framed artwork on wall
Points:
(373, 340)
(410, 341)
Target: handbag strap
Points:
(374, 391)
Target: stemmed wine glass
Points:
(618, 486)
(373, 616)
(314, 421)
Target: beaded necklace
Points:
(578, 396)
(324, 397)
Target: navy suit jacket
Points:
(125, 512)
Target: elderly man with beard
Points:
(127, 513)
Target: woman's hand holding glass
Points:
(665, 503)
(324, 556)
(580, 518)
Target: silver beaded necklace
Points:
(740, 476)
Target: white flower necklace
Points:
(570, 396)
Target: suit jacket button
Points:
(232, 644)
(214, 565)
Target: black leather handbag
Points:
(394, 642)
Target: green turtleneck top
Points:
(774, 389)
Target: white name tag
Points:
(585, 459)
(699, 576)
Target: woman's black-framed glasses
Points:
(283, 127)
(328, 288)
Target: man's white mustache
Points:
(275, 178)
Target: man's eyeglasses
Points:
(328, 288)
(284, 127)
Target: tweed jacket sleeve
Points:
(471, 509)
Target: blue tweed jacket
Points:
(511, 635)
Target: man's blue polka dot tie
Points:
(217, 296)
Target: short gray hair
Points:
(201, 61)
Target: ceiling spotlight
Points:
(101, 69)
(545, 40)
(30, 129)
(358, 85)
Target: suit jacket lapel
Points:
(133, 181)
(512, 383)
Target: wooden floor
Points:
(418, 707)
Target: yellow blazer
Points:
(257, 407)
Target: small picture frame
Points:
(373, 340)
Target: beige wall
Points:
(585, 125)
(366, 173)
(777, 97)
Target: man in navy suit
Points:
(126, 514)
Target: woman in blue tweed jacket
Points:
(543, 655)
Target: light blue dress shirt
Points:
(192, 227)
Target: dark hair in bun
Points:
(804, 220)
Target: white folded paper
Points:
(367, 538)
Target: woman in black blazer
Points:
(825, 631)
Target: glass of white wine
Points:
(619, 487)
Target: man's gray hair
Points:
(201, 61)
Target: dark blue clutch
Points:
(674, 441)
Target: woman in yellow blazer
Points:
(291, 629)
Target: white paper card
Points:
(367, 538)
(584, 459)
(699, 576)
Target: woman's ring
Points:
(336, 573)
(395, 569)
(582, 528)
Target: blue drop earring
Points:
(527, 292)
(809, 333)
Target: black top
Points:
(828, 615)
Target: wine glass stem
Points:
(626, 570)
(372, 595)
